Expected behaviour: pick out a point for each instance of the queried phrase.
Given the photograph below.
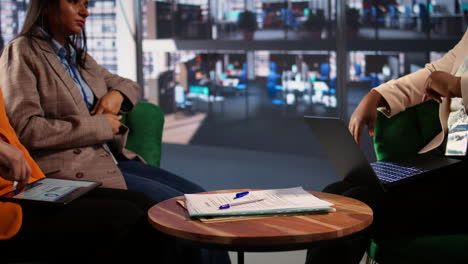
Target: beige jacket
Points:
(408, 91)
(49, 114)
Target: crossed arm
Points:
(41, 117)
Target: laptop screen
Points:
(342, 151)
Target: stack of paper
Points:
(275, 201)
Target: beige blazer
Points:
(408, 91)
(49, 114)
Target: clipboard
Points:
(51, 191)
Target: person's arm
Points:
(13, 165)
(409, 90)
(122, 95)
(366, 115)
(395, 96)
(20, 78)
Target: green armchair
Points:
(146, 122)
(416, 125)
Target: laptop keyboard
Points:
(391, 172)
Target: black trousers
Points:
(428, 206)
(104, 226)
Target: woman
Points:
(100, 224)
(420, 207)
(65, 107)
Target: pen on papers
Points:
(241, 194)
(226, 206)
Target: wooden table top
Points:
(264, 233)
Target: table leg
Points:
(240, 257)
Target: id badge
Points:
(457, 140)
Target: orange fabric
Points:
(10, 213)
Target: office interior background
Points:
(234, 99)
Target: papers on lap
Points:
(275, 201)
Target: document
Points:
(273, 201)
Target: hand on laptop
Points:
(13, 165)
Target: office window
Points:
(408, 19)
(11, 19)
(100, 29)
(102, 34)
(220, 19)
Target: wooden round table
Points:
(271, 233)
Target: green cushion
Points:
(428, 120)
(146, 122)
(421, 249)
(406, 132)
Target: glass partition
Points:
(369, 69)
(301, 82)
(306, 19)
(409, 19)
(100, 28)
(242, 19)
(11, 19)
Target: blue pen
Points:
(227, 206)
(241, 194)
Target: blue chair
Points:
(271, 80)
(272, 87)
(394, 18)
(324, 72)
(358, 73)
(183, 103)
(357, 70)
(366, 16)
(375, 81)
(423, 16)
(376, 15)
(289, 18)
(330, 94)
(410, 22)
(242, 85)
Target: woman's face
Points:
(70, 20)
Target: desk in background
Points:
(323, 94)
(229, 82)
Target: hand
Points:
(110, 103)
(442, 84)
(13, 165)
(115, 122)
(365, 115)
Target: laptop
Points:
(350, 162)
